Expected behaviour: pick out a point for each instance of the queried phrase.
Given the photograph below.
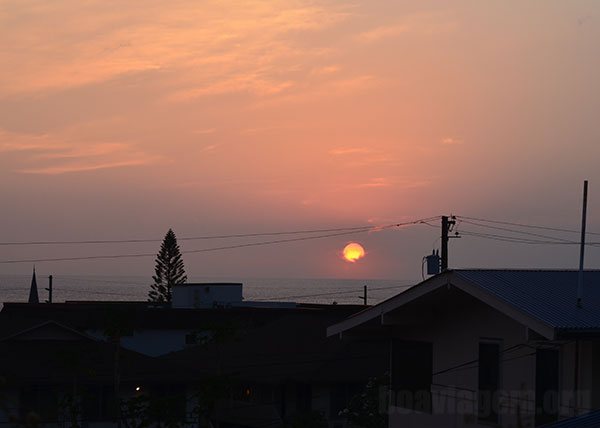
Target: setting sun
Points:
(353, 252)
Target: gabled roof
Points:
(543, 300)
(51, 327)
(548, 295)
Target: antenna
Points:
(582, 245)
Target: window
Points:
(42, 401)
(489, 381)
(412, 368)
(546, 386)
(303, 397)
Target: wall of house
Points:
(580, 383)
(9, 405)
(151, 342)
(455, 334)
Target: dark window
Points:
(91, 402)
(41, 401)
(546, 386)
(304, 397)
(412, 368)
(489, 381)
(108, 408)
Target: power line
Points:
(335, 293)
(531, 226)
(103, 281)
(228, 247)
(536, 235)
(548, 239)
(517, 240)
(196, 238)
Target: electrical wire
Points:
(555, 229)
(279, 298)
(536, 235)
(517, 240)
(227, 247)
(334, 293)
(196, 238)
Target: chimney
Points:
(33, 293)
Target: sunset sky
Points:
(120, 119)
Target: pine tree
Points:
(168, 271)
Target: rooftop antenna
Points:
(582, 245)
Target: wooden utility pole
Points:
(364, 296)
(49, 289)
(447, 223)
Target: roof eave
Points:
(392, 303)
(445, 279)
(546, 330)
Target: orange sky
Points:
(120, 119)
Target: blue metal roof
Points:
(548, 295)
(589, 420)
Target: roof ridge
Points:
(520, 270)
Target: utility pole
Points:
(364, 296)
(49, 289)
(447, 223)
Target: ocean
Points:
(15, 288)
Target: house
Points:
(243, 364)
(288, 368)
(53, 374)
(475, 348)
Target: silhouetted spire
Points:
(33, 294)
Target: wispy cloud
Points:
(87, 166)
(340, 151)
(450, 141)
(62, 152)
(84, 151)
(15, 142)
(383, 32)
(394, 181)
(209, 148)
(375, 183)
(240, 46)
(205, 131)
(325, 71)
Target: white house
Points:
(481, 348)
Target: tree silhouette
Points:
(168, 271)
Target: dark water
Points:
(15, 288)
